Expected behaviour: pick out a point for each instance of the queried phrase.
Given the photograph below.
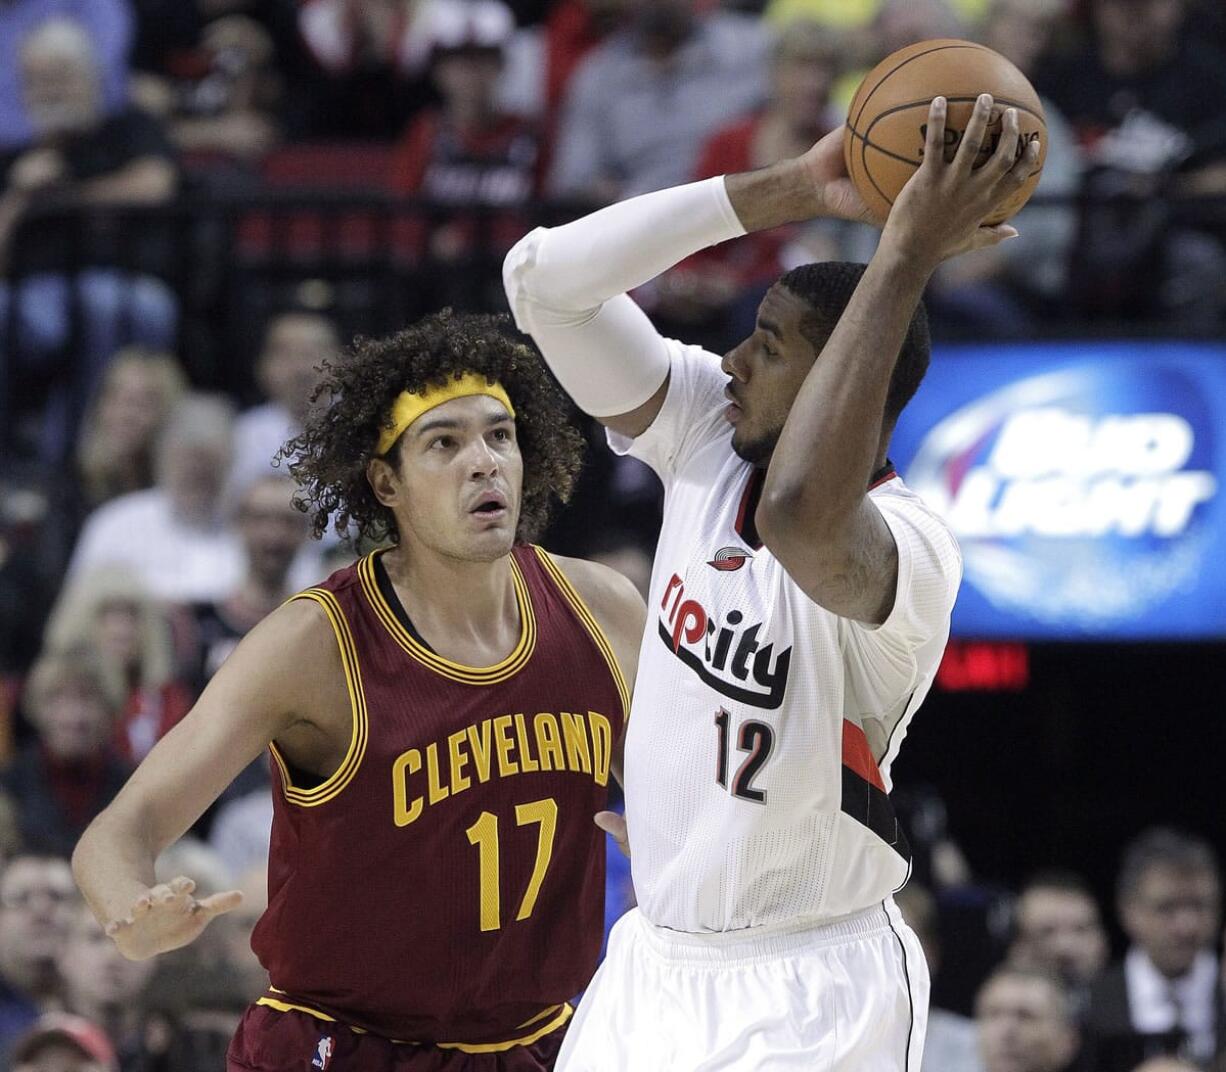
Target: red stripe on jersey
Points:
(857, 755)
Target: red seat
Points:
(309, 235)
(357, 166)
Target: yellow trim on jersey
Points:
(343, 775)
(526, 1040)
(564, 1013)
(466, 675)
(593, 626)
(538, 1017)
(289, 1006)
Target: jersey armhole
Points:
(584, 614)
(343, 775)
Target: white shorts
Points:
(847, 996)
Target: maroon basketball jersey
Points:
(446, 883)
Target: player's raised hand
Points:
(614, 825)
(941, 209)
(167, 917)
(827, 170)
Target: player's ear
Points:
(382, 478)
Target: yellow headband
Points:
(409, 405)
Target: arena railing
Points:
(378, 262)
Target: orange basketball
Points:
(884, 140)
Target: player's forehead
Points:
(466, 412)
(781, 313)
(1048, 902)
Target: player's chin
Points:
(754, 449)
(490, 543)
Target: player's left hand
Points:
(941, 209)
(615, 826)
(826, 168)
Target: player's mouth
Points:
(734, 409)
(489, 506)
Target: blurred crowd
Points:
(144, 527)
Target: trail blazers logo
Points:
(727, 656)
(729, 558)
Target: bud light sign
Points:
(1084, 483)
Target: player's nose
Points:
(733, 362)
(482, 460)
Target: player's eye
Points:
(443, 442)
(503, 435)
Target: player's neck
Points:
(466, 611)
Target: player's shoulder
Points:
(893, 493)
(304, 626)
(610, 595)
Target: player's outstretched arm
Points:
(814, 513)
(567, 285)
(252, 699)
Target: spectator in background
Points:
(573, 28)
(102, 985)
(38, 901)
(82, 156)
(223, 102)
(295, 344)
(1164, 996)
(110, 26)
(274, 538)
(174, 536)
(241, 831)
(951, 1044)
(63, 1043)
(366, 68)
(641, 105)
(115, 447)
(1025, 1023)
(1058, 929)
(198, 1005)
(70, 772)
(109, 610)
(1002, 289)
(467, 151)
(899, 23)
(721, 287)
(273, 532)
(1137, 95)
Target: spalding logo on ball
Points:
(888, 119)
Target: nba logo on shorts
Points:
(323, 1052)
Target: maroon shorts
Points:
(271, 1041)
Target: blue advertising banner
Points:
(1084, 483)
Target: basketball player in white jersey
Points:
(799, 606)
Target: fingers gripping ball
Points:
(884, 139)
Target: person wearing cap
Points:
(443, 717)
(60, 1042)
(468, 151)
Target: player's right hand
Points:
(167, 917)
(941, 209)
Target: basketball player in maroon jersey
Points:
(443, 717)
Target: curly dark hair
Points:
(355, 395)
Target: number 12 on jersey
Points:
(755, 738)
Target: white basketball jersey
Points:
(763, 726)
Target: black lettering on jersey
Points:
(739, 666)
